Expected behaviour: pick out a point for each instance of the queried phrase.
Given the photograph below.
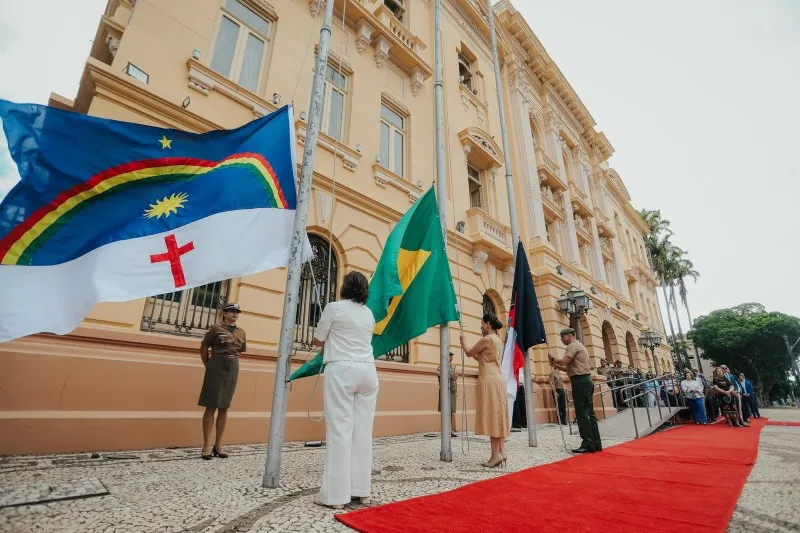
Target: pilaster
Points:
(526, 146)
(572, 238)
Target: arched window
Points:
(488, 305)
(318, 286)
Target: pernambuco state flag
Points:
(114, 211)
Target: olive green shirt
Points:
(579, 363)
(225, 340)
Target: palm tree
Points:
(685, 270)
(666, 260)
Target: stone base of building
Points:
(99, 390)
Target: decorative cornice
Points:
(395, 102)
(350, 158)
(384, 177)
(99, 80)
(204, 80)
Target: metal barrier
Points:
(637, 406)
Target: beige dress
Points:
(491, 411)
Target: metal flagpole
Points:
(277, 422)
(446, 453)
(512, 208)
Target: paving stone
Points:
(173, 491)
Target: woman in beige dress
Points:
(491, 411)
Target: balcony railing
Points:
(603, 224)
(583, 232)
(580, 201)
(483, 228)
(548, 169)
(552, 203)
(398, 29)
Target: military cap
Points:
(567, 331)
(232, 307)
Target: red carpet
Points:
(777, 423)
(686, 479)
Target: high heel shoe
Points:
(496, 460)
(205, 457)
(217, 453)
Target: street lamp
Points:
(652, 340)
(575, 303)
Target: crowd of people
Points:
(725, 393)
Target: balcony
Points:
(643, 269)
(603, 224)
(607, 248)
(389, 36)
(552, 202)
(483, 150)
(580, 201)
(489, 234)
(548, 171)
(583, 230)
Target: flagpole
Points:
(512, 208)
(277, 422)
(446, 453)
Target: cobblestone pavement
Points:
(173, 491)
(157, 491)
(770, 501)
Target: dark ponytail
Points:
(493, 321)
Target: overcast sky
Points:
(699, 99)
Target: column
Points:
(526, 150)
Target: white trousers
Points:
(351, 391)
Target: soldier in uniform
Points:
(453, 394)
(219, 351)
(576, 364)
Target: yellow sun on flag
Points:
(167, 205)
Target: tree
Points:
(747, 338)
(672, 267)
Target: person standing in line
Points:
(693, 391)
(344, 332)
(491, 409)
(561, 396)
(219, 352)
(453, 394)
(747, 385)
(576, 364)
(519, 411)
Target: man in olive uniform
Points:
(219, 351)
(576, 364)
(561, 396)
(453, 394)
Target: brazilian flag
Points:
(411, 289)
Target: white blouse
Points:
(346, 327)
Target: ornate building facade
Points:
(129, 377)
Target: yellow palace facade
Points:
(130, 375)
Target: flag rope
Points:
(305, 56)
(330, 222)
(464, 417)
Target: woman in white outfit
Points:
(351, 390)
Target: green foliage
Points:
(747, 338)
